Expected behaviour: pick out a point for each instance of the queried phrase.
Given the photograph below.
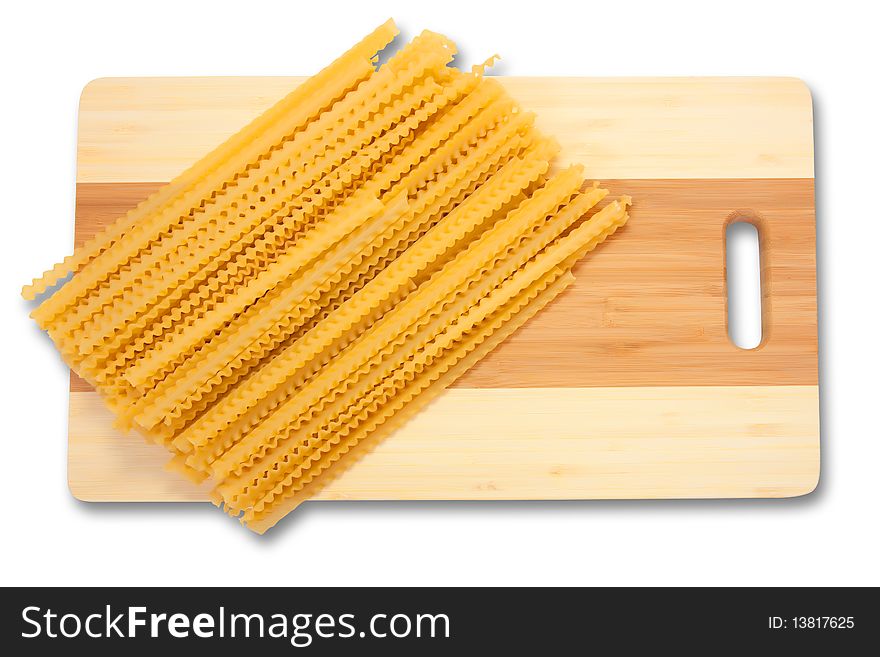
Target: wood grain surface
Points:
(627, 385)
(525, 443)
(145, 129)
(648, 307)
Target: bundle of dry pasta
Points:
(303, 289)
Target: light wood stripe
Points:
(494, 444)
(140, 129)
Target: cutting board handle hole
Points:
(743, 283)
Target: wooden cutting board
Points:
(627, 386)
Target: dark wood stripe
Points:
(648, 307)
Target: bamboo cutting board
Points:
(627, 386)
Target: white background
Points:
(48, 53)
